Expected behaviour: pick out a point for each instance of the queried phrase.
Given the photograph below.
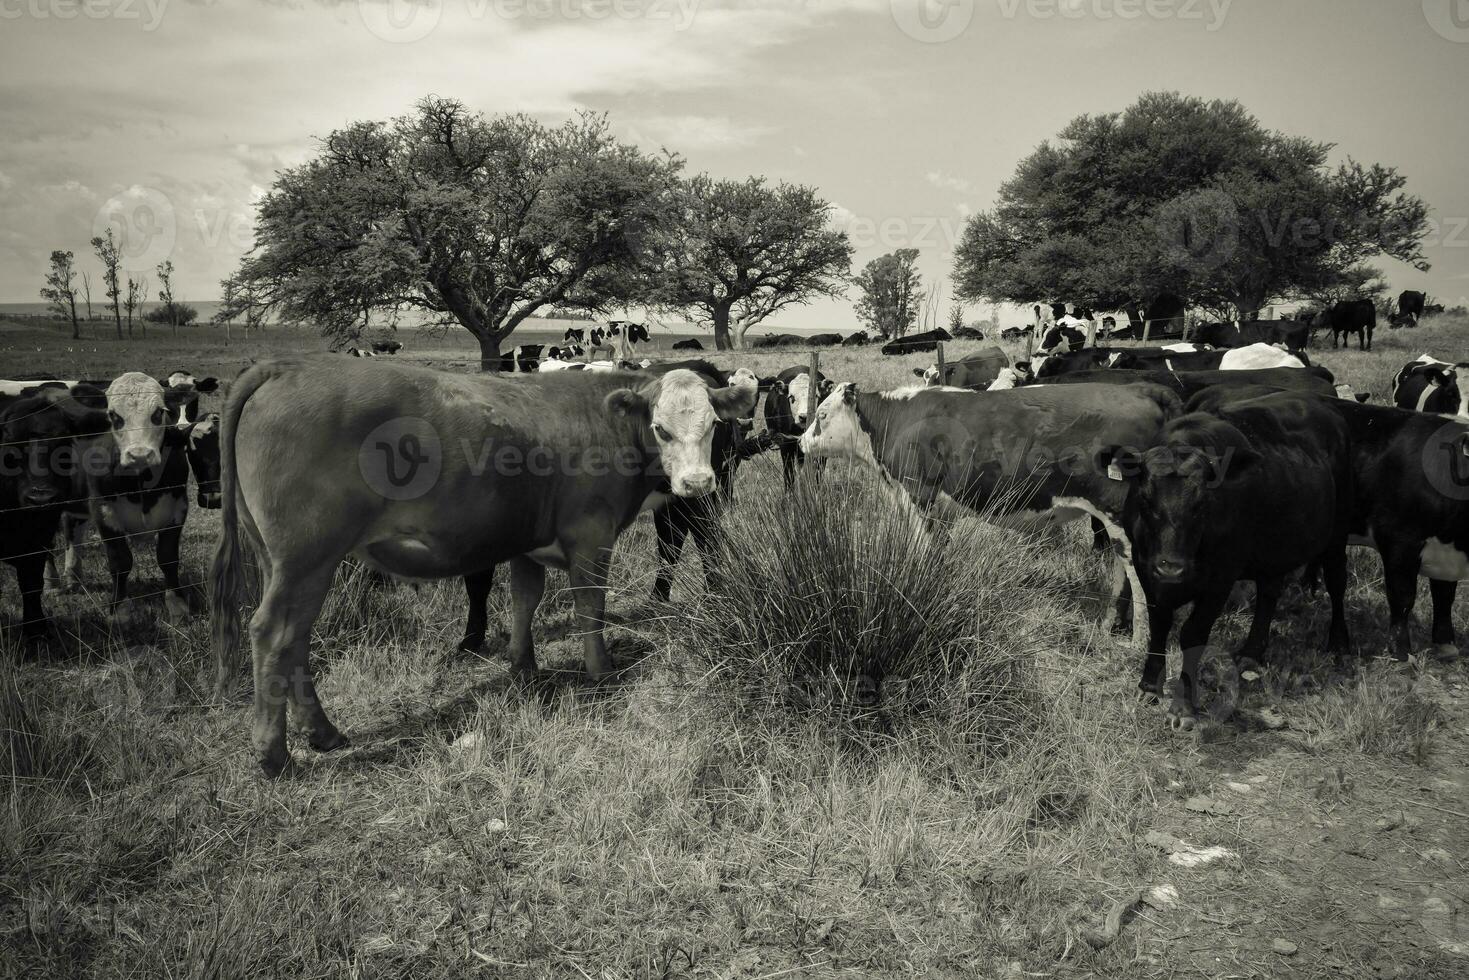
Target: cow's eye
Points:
(661, 433)
(115, 419)
(157, 416)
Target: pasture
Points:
(707, 815)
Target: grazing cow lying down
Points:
(975, 371)
(428, 474)
(1186, 384)
(1255, 357)
(1431, 385)
(1251, 484)
(1412, 472)
(1024, 450)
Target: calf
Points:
(1253, 490)
(39, 457)
(787, 402)
(1431, 385)
(1412, 505)
(975, 372)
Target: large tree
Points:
(107, 251)
(1179, 195)
(889, 288)
(60, 289)
(736, 251)
(472, 220)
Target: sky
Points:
(167, 119)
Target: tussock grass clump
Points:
(1380, 713)
(833, 601)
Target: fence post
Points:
(811, 387)
(1029, 345)
(939, 352)
(1188, 328)
(1091, 333)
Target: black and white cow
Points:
(787, 404)
(574, 335)
(386, 346)
(1431, 385)
(142, 487)
(521, 360)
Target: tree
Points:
(956, 317)
(890, 285)
(1179, 195)
(106, 248)
(173, 314)
(137, 289)
(477, 221)
(59, 290)
(165, 296)
(737, 251)
(87, 291)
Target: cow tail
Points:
(225, 575)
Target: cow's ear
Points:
(626, 403)
(88, 422)
(207, 385)
(1121, 463)
(734, 402)
(849, 393)
(1364, 397)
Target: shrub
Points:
(182, 313)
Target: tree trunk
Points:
(76, 328)
(117, 319)
(721, 328)
(489, 352)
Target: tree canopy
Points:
(1180, 195)
(473, 220)
(736, 251)
(889, 288)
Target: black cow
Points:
(1015, 333)
(968, 333)
(786, 405)
(522, 360)
(1431, 385)
(915, 343)
(824, 340)
(386, 346)
(1254, 357)
(689, 343)
(777, 340)
(975, 372)
(1186, 384)
(857, 339)
(1294, 334)
(1246, 486)
(1412, 472)
(1351, 316)
(1410, 304)
(39, 460)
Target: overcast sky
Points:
(173, 116)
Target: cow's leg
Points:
(477, 588)
(706, 529)
(1400, 578)
(280, 635)
(1267, 596)
(75, 530)
(1443, 616)
(1155, 664)
(587, 569)
(1334, 572)
(1100, 537)
(175, 602)
(788, 465)
(119, 563)
(1193, 640)
(30, 573)
(671, 522)
(527, 585)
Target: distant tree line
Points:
(125, 293)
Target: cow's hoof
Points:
(1181, 719)
(276, 765)
(472, 643)
(328, 741)
(1445, 651)
(175, 609)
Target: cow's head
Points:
(183, 391)
(837, 429)
(798, 396)
(930, 375)
(140, 409)
(681, 409)
(37, 452)
(1176, 487)
(203, 452)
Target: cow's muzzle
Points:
(694, 484)
(1169, 571)
(41, 496)
(211, 499)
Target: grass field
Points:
(709, 815)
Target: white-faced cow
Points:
(428, 474)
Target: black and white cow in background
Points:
(1431, 385)
(521, 360)
(787, 403)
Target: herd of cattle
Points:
(1200, 467)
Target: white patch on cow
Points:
(1181, 348)
(1112, 359)
(905, 393)
(1123, 543)
(133, 518)
(837, 430)
(1429, 390)
(601, 366)
(552, 554)
(1007, 378)
(14, 388)
(1441, 560)
(799, 392)
(556, 364)
(931, 375)
(135, 403)
(1464, 400)
(181, 379)
(1258, 357)
(1345, 392)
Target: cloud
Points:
(948, 182)
(691, 132)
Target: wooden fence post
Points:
(811, 388)
(1091, 333)
(1029, 345)
(1147, 329)
(939, 353)
(1187, 328)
